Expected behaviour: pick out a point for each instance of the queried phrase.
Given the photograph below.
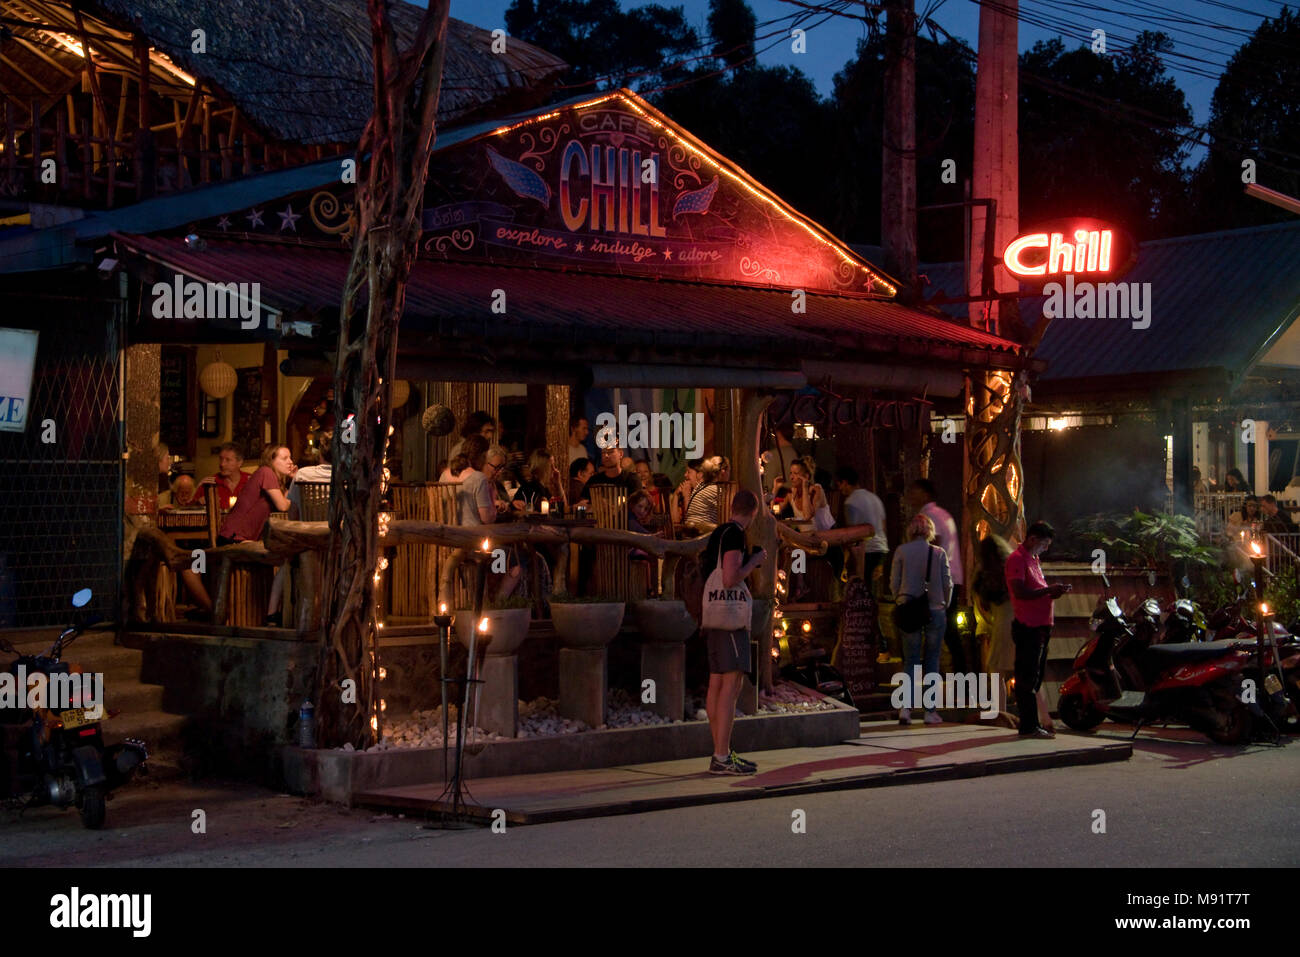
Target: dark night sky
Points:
(1206, 33)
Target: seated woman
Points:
(641, 519)
(479, 503)
(539, 484)
(702, 511)
(456, 469)
(808, 500)
(681, 496)
(247, 519)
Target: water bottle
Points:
(307, 725)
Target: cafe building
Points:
(586, 257)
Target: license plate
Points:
(74, 718)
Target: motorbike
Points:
(1195, 683)
(1185, 622)
(60, 754)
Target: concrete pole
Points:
(898, 158)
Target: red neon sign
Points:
(1075, 248)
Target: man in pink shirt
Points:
(1031, 629)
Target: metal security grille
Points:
(61, 500)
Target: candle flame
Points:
(1263, 607)
(483, 625)
(806, 626)
(1254, 547)
(487, 545)
(442, 608)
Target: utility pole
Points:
(898, 158)
(993, 473)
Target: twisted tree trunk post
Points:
(762, 531)
(394, 149)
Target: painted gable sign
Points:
(610, 185)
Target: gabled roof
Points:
(298, 69)
(1218, 301)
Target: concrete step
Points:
(161, 732)
(132, 697)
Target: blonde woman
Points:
(806, 497)
(702, 511)
(921, 568)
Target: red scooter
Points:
(1195, 683)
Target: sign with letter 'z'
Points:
(17, 361)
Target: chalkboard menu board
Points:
(855, 653)
(175, 397)
(246, 428)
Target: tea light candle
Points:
(546, 507)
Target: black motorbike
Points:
(59, 757)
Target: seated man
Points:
(230, 478)
(182, 494)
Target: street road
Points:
(1175, 803)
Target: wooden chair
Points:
(314, 501)
(609, 509)
(444, 509)
(413, 566)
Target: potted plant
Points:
(663, 621)
(508, 620)
(590, 622)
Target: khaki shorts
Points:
(728, 650)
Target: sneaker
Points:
(905, 716)
(743, 762)
(728, 766)
(1038, 733)
(932, 717)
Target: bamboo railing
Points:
(285, 538)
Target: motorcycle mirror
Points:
(82, 598)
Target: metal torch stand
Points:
(456, 793)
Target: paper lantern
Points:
(218, 379)
(401, 392)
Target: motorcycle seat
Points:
(1189, 650)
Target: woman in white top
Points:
(909, 580)
(807, 498)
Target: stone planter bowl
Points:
(507, 629)
(663, 622)
(587, 624)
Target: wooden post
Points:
(146, 161)
(751, 405)
(558, 398)
(36, 143)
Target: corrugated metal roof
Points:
(1216, 300)
(546, 305)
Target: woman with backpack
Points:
(922, 587)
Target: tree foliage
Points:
(1255, 114)
(1123, 165)
(606, 46)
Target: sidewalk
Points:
(884, 755)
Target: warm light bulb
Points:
(383, 673)
(806, 626)
(374, 723)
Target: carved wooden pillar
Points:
(994, 474)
